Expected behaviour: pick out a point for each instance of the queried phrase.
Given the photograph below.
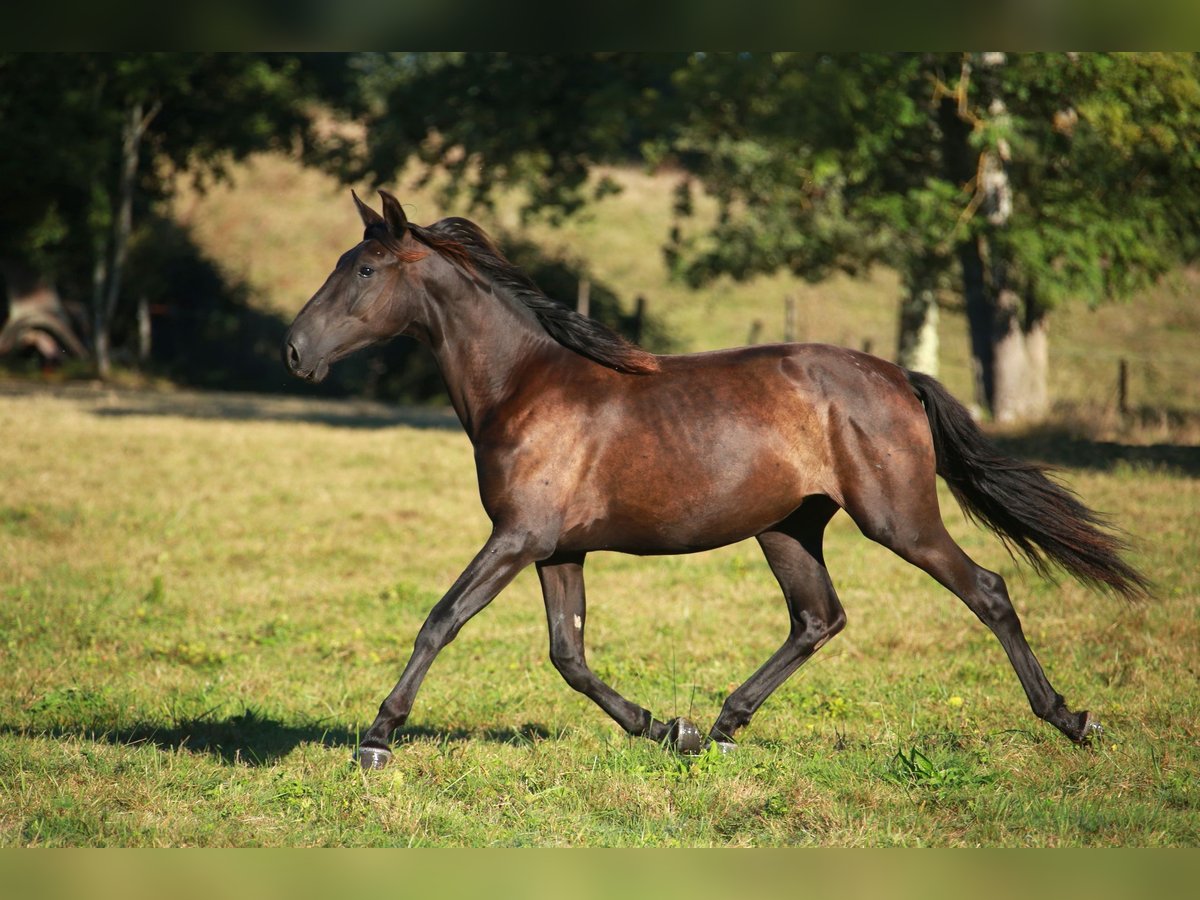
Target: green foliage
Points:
(1103, 196)
(538, 121)
(1106, 165)
(827, 162)
(812, 163)
(800, 148)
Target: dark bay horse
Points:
(585, 442)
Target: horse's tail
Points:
(1038, 517)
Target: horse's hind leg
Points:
(562, 588)
(793, 550)
(915, 532)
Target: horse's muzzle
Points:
(293, 359)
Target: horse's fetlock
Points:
(735, 714)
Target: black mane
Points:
(465, 243)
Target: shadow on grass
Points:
(261, 408)
(1059, 447)
(253, 739)
(110, 402)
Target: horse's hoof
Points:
(1092, 730)
(726, 747)
(373, 757)
(684, 736)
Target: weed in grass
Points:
(70, 704)
(196, 654)
(16, 520)
(914, 768)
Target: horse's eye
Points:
(365, 272)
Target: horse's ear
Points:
(369, 216)
(397, 222)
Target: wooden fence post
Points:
(584, 298)
(1123, 386)
(143, 329)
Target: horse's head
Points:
(368, 298)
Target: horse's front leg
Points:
(501, 558)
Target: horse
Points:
(585, 442)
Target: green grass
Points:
(201, 608)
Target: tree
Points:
(789, 144)
(1050, 177)
(1083, 173)
(491, 120)
(1021, 181)
(819, 163)
(93, 140)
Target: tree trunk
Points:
(100, 329)
(1037, 361)
(143, 329)
(918, 339)
(1020, 362)
(979, 321)
(1010, 344)
(961, 162)
(106, 275)
(1007, 401)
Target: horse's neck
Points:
(483, 343)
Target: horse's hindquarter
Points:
(712, 449)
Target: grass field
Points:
(202, 601)
(203, 598)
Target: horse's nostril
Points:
(293, 357)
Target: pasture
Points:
(204, 597)
(203, 600)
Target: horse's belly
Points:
(690, 508)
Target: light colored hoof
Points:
(684, 737)
(373, 758)
(1093, 731)
(726, 747)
